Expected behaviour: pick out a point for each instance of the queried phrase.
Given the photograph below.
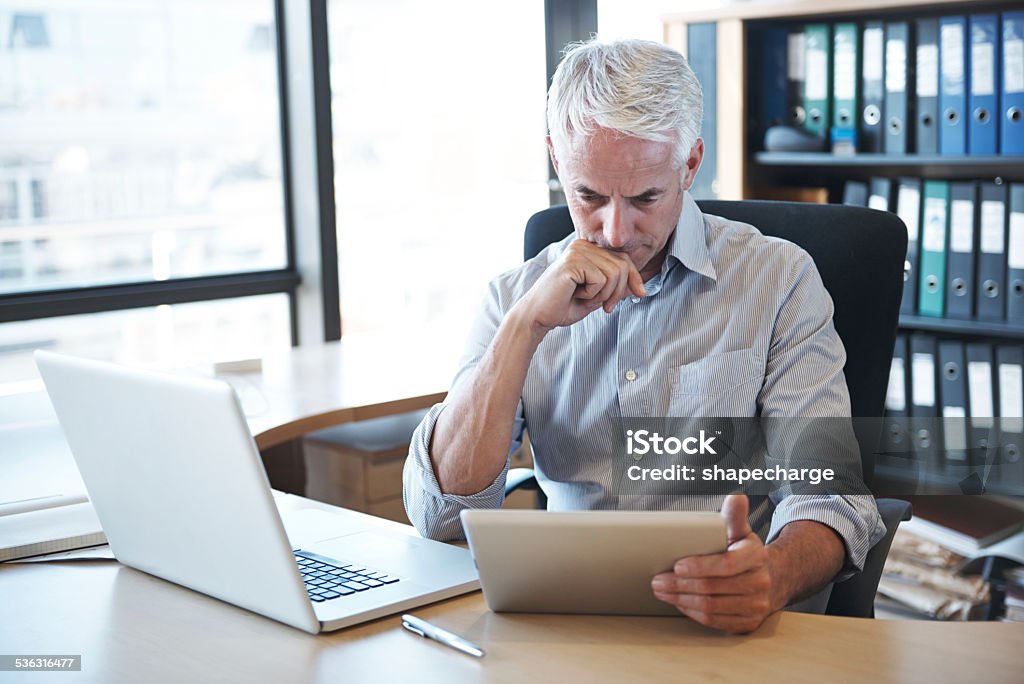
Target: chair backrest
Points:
(860, 255)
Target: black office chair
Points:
(859, 254)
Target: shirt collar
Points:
(688, 243)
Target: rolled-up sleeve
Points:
(434, 513)
(854, 518)
(804, 379)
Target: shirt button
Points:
(635, 300)
(631, 375)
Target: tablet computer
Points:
(594, 562)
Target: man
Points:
(651, 309)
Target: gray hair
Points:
(638, 88)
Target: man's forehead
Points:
(615, 157)
(604, 141)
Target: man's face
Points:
(625, 194)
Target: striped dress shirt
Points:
(734, 324)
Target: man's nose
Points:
(616, 226)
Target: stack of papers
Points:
(968, 525)
(924, 577)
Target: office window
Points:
(139, 141)
(28, 30)
(439, 155)
(38, 194)
(642, 18)
(8, 201)
(180, 335)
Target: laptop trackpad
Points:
(427, 562)
(309, 526)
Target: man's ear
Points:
(551, 153)
(693, 163)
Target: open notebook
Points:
(49, 530)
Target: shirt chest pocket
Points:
(722, 385)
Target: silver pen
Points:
(441, 636)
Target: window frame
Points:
(24, 306)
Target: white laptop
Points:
(179, 487)
(591, 562)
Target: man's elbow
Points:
(432, 524)
(429, 529)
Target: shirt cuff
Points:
(435, 514)
(854, 518)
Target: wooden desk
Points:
(129, 626)
(299, 390)
(302, 389)
(311, 388)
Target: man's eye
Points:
(645, 200)
(588, 196)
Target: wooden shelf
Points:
(969, 328)
(896, 482)
(810, 8)
(927, 165)
(743, 174)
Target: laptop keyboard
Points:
(327, 579)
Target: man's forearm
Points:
(473, 434)
(803, 558)
(470, 442)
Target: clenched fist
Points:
(583, 279)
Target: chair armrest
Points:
(856, 596)
(893, 511)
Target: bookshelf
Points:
(952, 326)
(744, 172)
(922, 165)
(742, 168)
